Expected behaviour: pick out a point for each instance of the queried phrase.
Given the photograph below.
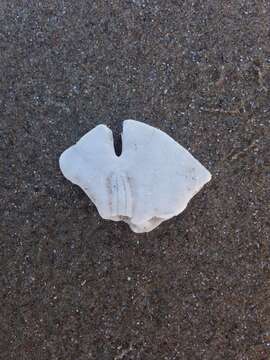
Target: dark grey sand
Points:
(76, 287)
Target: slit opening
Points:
(117, 140)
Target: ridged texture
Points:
(120, 195)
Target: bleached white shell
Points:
(152, 180)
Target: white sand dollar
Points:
(151, 181)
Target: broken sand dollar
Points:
(152, 180)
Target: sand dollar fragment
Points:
(151, 181)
